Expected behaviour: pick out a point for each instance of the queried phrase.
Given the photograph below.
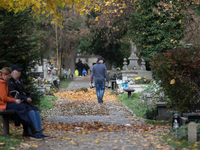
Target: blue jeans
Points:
(35, 117)
(100, 88)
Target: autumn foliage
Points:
(89, 96)
(178, 71)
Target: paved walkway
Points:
(122, 140)
(79, 83)
(117, 116)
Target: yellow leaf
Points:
(66, 138)
(97, 141)
(82, 13)
(172, 81)
(47, 15)
(121, 11)
(2, 144)
(96, 19)
(23, 57)
(63, 4)
(52, 22)
(100, 129)
(43, 11)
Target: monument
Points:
(136, 67)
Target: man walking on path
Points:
(100, 72)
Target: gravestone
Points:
(192, 132)
(136, 67)
(37, 75)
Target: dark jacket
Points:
(13, 86)
(100, 72)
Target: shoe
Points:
(35, 130)
(37, 137)
(45, 136)
(101, 99)
(27, 134)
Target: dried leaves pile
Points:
(89, 96)
(100, 127)
(85, 103)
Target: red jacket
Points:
(5, 97)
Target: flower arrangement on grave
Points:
(143, 80)
(52, 90)
(46, 82)
(51, 61)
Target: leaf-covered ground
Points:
(85, 103)
(94, 134)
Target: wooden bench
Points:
(6, 116)
(129, 91)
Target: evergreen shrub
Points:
(178, 71)
(36, 95)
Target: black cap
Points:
(15, 67)
(101, 58)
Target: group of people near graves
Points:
(81, 69)
(13, 96)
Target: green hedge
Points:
(179, 74)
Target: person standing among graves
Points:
(80, 68)
(86, 67)
(15, 85)
(7, 102)
(76, 64)
(99, 71)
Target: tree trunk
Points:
(60, 51)
(57, 50)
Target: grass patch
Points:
(140, 108)
(46, 103)
(162, 123)
(134, 103)
(9, 142)
(64, 83)
(179, 145)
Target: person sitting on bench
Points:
(16, 84)
(7, 102)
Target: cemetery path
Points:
(109, 126)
